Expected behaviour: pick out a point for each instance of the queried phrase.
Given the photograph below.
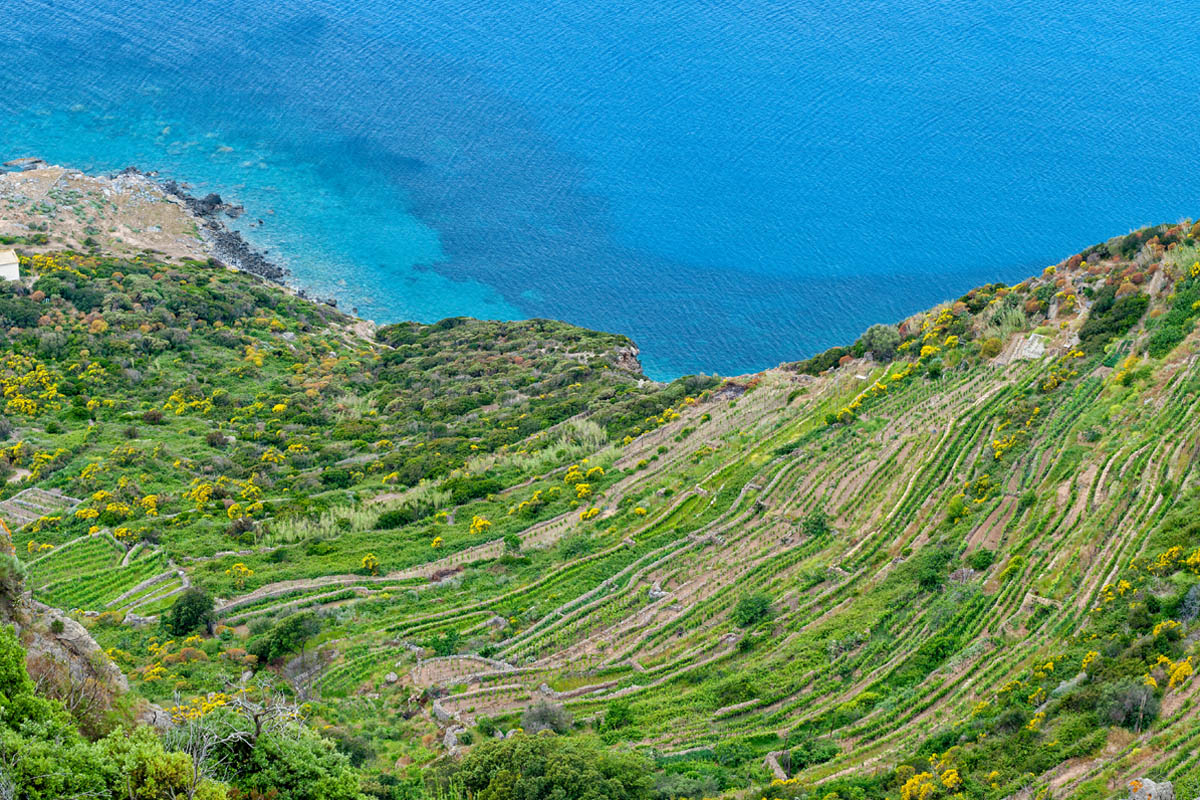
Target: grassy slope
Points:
(983, 514)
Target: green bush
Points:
(752, 609)
(981, 559)
(192, 611)
(1110, 318)
(549, 767)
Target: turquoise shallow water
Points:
(732, 185)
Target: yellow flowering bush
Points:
(240, 573)
(1180, 672)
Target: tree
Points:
(44, 757)
(1129, 703)
(191, 611)
(549, 767)
(286, 636)
(752, 609)
(881, 340)
(140, 760)
(257, 738)
(298, 765)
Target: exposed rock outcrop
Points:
(1146, 789)
(48, 632)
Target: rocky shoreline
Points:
(228, 246)
(209, 213)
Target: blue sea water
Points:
(733, 184)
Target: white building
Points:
(10, 268)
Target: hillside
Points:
(958, 557)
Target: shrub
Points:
(931, 568)
(12, 578)
(981, 559)
(191, 611)
(1130, 704)
(336, 478)
(1174, 326)
(816, 523)
(810, 752)
(732, 752)
(881, 340)
(1110, 317)
(618, 714)
(546, 717)
(752, 609)
(562, 768)
(675, 785)
(991, 347)
(465, 489)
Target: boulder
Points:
(391, 678)
(1146, 789)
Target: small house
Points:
(10, 267)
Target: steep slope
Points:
(965, 562)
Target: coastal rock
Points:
(228, 246)
(627, 359)
(32, 162)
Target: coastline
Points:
(142, 188)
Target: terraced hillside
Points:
(960, 557)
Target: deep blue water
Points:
(733, 183)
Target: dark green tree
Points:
(881, 340)
(191, 611)
(550, 767)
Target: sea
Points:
(731, 183)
